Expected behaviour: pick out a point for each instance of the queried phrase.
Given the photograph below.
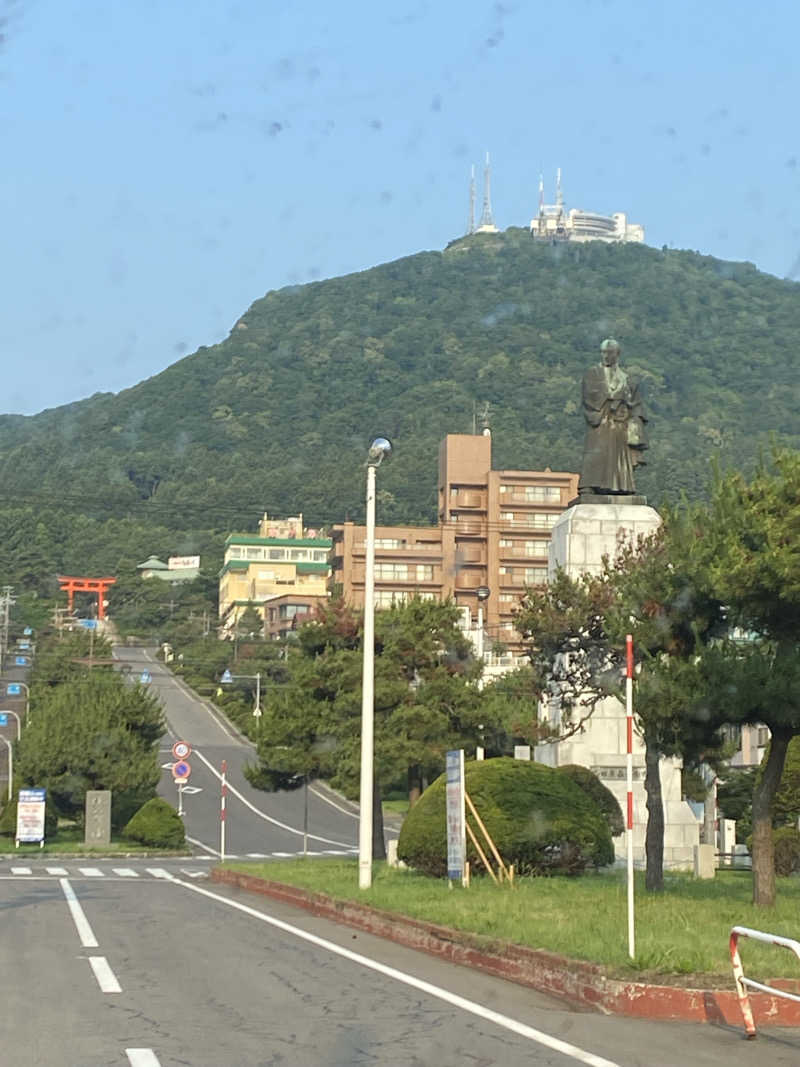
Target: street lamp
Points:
(482, 593)
(228, 677)
(381, 448)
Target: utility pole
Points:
(6, 600)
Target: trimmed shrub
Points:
(156, 823)
(539, 820)
(786, 842)
(8, 819)
(599, 793)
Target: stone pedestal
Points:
(583, 535)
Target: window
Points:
(266, 576)
(506, 543)
(319, 557)
(277, 553)
(536, 575)
(543, 520)
(542, 492)
(235, 553)
(255, 553)
(507, 516)
(299, 553)
(536, 548)
(389, 542)
(507, 598)
(289, 611)
(404, 572)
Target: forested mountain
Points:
(278, 416)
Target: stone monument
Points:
(98, 817)
(607, 515)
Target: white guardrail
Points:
(743, 983)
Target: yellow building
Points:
(282, 572)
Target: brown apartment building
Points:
(494, 531)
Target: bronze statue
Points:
(615, 429)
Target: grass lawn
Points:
(70, 840)
(680, 932)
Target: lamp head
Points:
(380, 449)
(483, 592)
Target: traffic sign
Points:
(181, 770)
(14, 689)
(23, 645)
(181, 749)
(27, 631)
(3, 718)
(88, 624)
(226, 676)
(20, 661)
(146, 678)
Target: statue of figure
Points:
(615, 428)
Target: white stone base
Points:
(583, 535)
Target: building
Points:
(554, 223)
(282, 572)
(176, 569)
(493, 536)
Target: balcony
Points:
(469, 528)
(469, 580)
(470, 553)
(468, 498)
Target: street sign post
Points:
(14, 689)
(180, 772)
(456, 818)
(181, 750)
(146, 678)
(88, 624)
(226, 676)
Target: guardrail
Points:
(743, 983)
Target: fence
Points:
(743, 983)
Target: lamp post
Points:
(8, 711)
(227, 677)
(10, 767)
(380, 448)
(482, 593)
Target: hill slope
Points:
(279, 414)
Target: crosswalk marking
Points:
(91, 872)
(257, 855)
(56, 870)
(284, 855)
(158, 872)
(20, 870)
(125, 872)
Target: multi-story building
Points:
(282, 572)
(493, 536)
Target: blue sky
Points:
(167, 162)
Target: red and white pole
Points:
(629, 770)
(222, 801)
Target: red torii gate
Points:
(99, 586)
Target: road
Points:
(153, 959)
(258, 824)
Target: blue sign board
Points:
(14, 689)
(27, 631)
(3, 719)
(20, 661)
(145, 678)
(88, 624)
(226, 677)
(23, 644)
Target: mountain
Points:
(278, 416)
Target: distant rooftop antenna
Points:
(559, 193)
(487, 221)
(541, 194)
(485, 428)
(472, 201)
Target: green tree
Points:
(426, 701)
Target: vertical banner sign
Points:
(629, 775)
(456, 821)
(30, 815)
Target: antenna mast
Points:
(471, 228)
(559, 194)
(487, 221)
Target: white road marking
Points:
(285, 855)
(589, 1059)
(106, 978)
(21, 870)
(88, 940)
(125, 872)
(158, 872)
(91, 872)
(256, 855)
(335, 852)
(333, 804)
(142, 1057)
(194, 874)
(193, 841)
(56, 870)
(268, 818)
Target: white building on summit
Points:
(555, 223)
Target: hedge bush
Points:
(539, 819)
(599, 793)
(786, 842)
(156, 823)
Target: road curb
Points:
(586, 984)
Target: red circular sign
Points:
(181, 750)
(181, 769)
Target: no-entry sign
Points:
(181, 770)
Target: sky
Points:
(167, 162)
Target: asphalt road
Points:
(258, 824)
(154, 959)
